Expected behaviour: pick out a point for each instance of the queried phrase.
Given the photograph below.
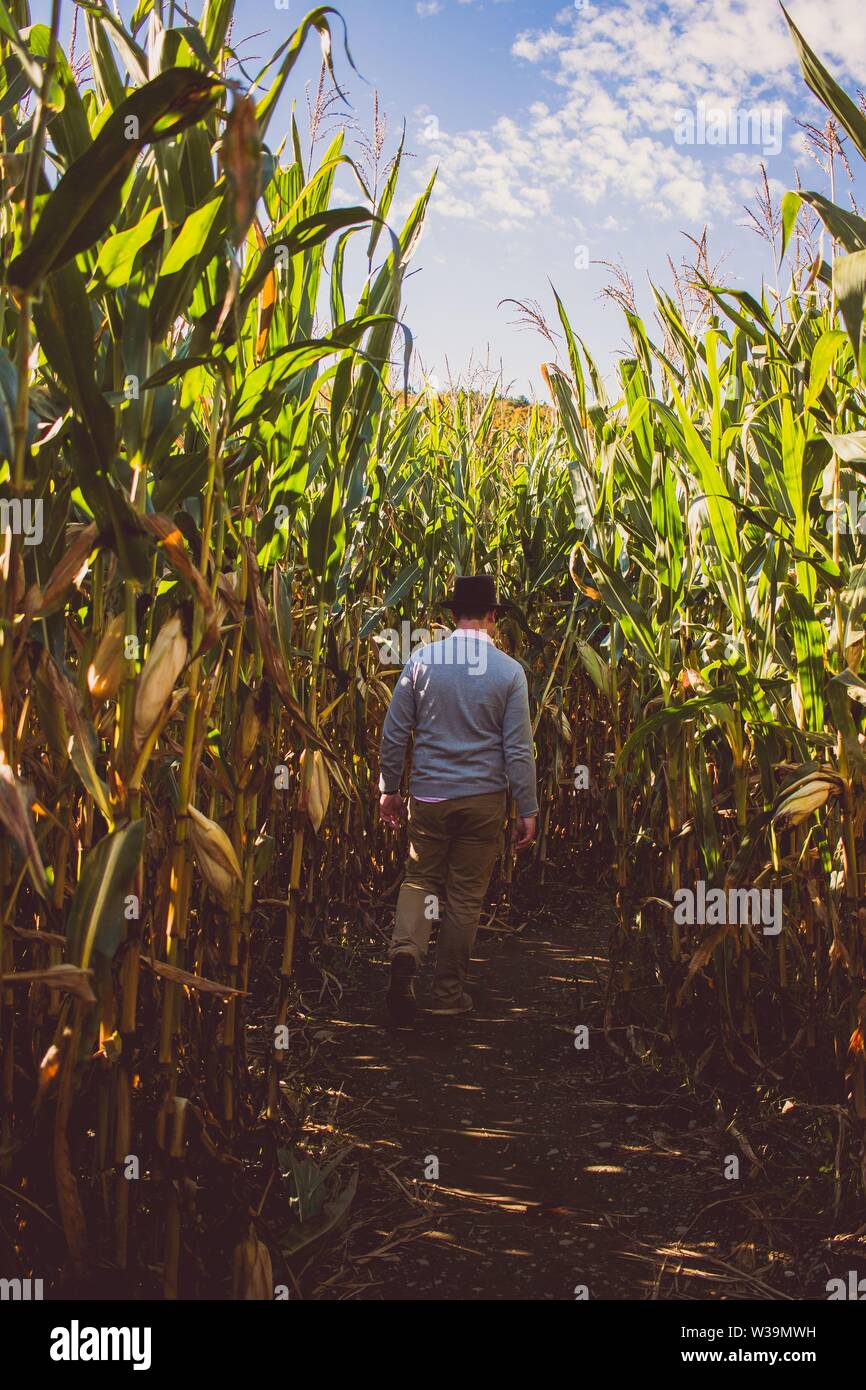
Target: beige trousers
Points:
(453, 846)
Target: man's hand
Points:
(391, 808)
(524, 832)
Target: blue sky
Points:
(554, 128)
(554, 132)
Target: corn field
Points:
(218, 493)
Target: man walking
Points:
(468, 706)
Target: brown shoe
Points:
(463, 1006)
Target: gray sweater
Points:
(468, 705)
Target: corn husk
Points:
(808, 779)
(807, 796)
(157, 680)
(107, 669)
(314, 798)
(215, 855)
(252, 1273)
(246, 738)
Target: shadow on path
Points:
(500, 1161)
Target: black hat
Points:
(473, 593)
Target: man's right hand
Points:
(524, 832)
(391, 808)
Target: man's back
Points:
(467, 704)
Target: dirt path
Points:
(557, 1167)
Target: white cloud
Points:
(426, 8)
(602, 131)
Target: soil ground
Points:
(500, 1161)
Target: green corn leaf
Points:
(215, 21)
(326, 543)
(96, 917)
(197, 242)
(117, 254)
(403, 584)
(809, 646)
(716, 702)
(849, 283)
(291, 50)
(669, 546)
(702, 801)
(619, 599)
(88, 197)
(824, 355)
(845, 226)
(827, 90)
(64, 322)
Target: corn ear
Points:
(215, 855)
(809, 797)
(252, 1273)
(315, 797)
(246, 739)
(107, 669)
(157, 680)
